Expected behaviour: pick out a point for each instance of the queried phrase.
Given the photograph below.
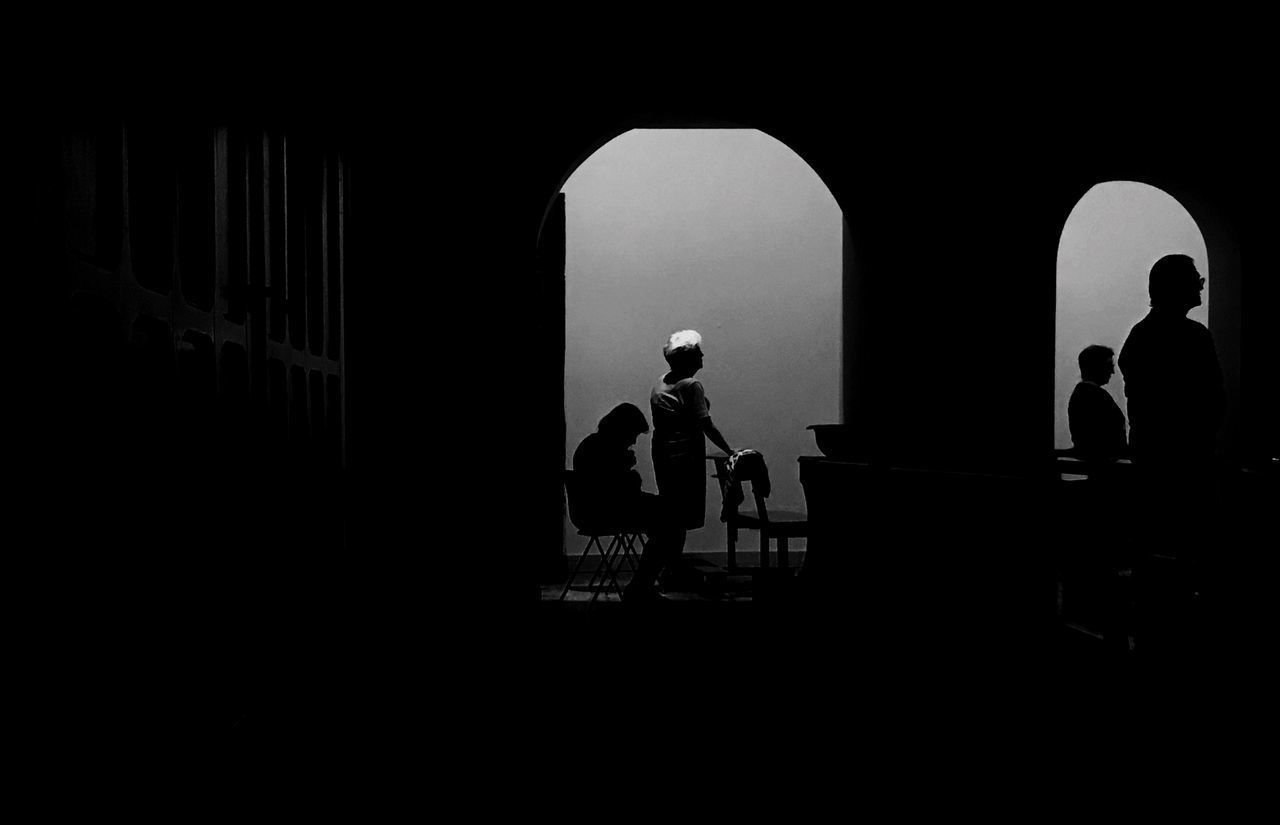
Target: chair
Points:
(780, 525)
(622, 540)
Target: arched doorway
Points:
(1113, 235)
(728, 231)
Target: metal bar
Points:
(576, 567)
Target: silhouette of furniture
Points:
(780, 525)
(621, 546)
(1068, 462)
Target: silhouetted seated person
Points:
(1172, 379)
(612, 497)
(1097, 425)
(681, 425)
(1098, 567)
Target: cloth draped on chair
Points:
(743, 465)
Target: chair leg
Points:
(585, 552)
(629, 551)
(626, 553)
(607, 569)
(615, 561)
(599, 571)
(733, 546)
(600, 568)
(615, 564)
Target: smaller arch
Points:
(1111, 238)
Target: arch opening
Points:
(727, 231)
(1109, 242)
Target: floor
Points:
(711, 599)
(706, 578)
(750, 655)
(722, 655)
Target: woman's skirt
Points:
(682, 484)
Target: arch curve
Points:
(1222, 269)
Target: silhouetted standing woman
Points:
(681, 423)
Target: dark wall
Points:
(955, 203)
(955, 183)
(188, 403)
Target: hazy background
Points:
(729, 232)
(726, 231)
(1110, 240)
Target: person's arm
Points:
(713, 433)
(1075, 419)
(633, 482)
(697, 401)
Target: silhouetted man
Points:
(1097, 425)
(1174, 386)
(1171, 375)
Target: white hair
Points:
(682, 341)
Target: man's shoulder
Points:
(1194, 327)
(1150, 331)
(1144, 325)
(1135, 335)
(1087, 391)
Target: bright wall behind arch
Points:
(731, 233)
(1110, 240)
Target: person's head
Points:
(623, 423)
(1097, 363)
(683, 351)
(1175, 284)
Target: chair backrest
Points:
(573, 492)
(586, 513)
(722, 474)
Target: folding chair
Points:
(622, 541)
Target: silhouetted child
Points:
(612, 495)
(1097, 425)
